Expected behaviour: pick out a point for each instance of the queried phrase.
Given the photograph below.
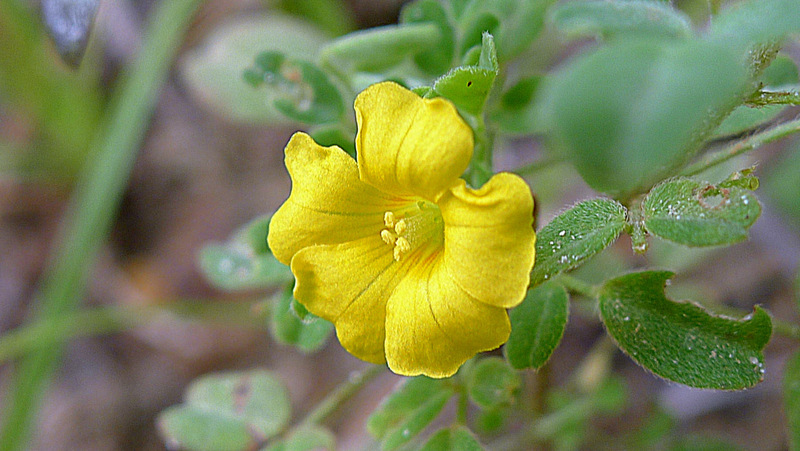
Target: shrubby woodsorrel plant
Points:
(400, 231)
(416, 267)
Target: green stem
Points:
(90, 217)
(764, 98)
(463, 405)
(341, 394)
(746, 145)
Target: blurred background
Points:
(205, 168)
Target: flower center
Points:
(410, 228)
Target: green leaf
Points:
(537, 326)
(514, 23)
(227, 411)
(213, 71)
(456, 438)
(306, 438)
(291, 324)
(299, 89)
(744, 24)
(334, 135)
(233, 267)
(517, 111)
(437, 58)
(632, 112)
(682, 342)
(575, 235)
(408, 410)
(791, 399)
(613, 18)
(378, 49)
(745, 118)
(493, 383)
(334, 17)
(699, 214)
(781, 71)
(468, 86)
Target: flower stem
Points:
(577, 285)
(342, 393)
(539, 165)
(90, 217)
(746, 145)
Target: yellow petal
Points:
(328, 204)
(408, 145)
(433, 326)
(349, 285)
(489, 239)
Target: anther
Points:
(400, 227)
(388, 237)
(401, 246)
(388, 219)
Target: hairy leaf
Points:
(681, 341)
(537, 326)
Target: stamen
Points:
(419, 224)
(388, 219)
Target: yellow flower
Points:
(413, 267)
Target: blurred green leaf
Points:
(234, 266)
(331, 16)
(254, 234)
(791, 399)
(745, 118)
(613, 18)
(292, 324)
(334, 135)
(299, 89)
(781, 71)
(575, 235)
(378, 49)
(537, 326)
(517, 112)
(781, 180)
(492, 383)
(682, 342)
(306, 438)
(700, 442)
(456, 438)
(227, 411)
(514, 24)
(632, 112)
(213, 71)
(699, 214)
(468, 86)
(751, 22)
(408, 410)
(437, 58)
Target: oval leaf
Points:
(575, 235)
(682, 342)
(699, 214)
(228, 411)
(408, 410)
(537, 326)
(493, 383)
(630, 113)
(612, 18)
(213, 71)
(292, 324)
